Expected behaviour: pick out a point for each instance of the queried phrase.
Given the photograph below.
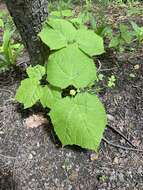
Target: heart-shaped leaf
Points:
(90, 42)
(29, 92)
(64, 27)
(49, 96)
(36, 72)
(79, 121)
(70, 66)
(52, 38)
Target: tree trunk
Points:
(28, 16)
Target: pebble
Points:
(38, 144)
(136, 67)
(30, 156)
(73, 176)
(140, 170)
(110, 117)
(33, 152)
(70, 187)
(93, 156)
(121, 177)
(116, 160)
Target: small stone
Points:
(121, 177)
(113, 176)
(116, 160)
(70, 187)
(140, 170)
(38, 144)
(136, 67)
(33, 152)
(67, 165)
(73, 176)
(110, 117)
(93, 156)
(30, 156)
(132, 75)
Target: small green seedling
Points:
(122, 38)
(138, 32)
(9, 51)
(102, 178)
(111, 81)
(59, 5)
(135, 11)
(104, 31)
(84, 20)
(100, 77)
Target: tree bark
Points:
(28, 16)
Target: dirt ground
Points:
(31, 159)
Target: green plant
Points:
(9, 51)
(138, 32)
(111, 81)
(2, 15)
(78, 117)
(61, 14)
(104, 31)
(134, 11)
(59, 5)
(122, 38)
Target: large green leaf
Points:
(49, 96)
(29, 92)
(64, 27)
(52, 38)
(70, 66)
(36, 72)
(79, 121)
(90, 42)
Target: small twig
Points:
(120, 146)
(108, 69)
(6, 90)
(8, 157)
(121, 134)
(100, 65)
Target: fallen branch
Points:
(120, 146)
(121, 134)
(7, 157)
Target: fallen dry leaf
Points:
(36, 120)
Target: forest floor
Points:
(31, 159)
